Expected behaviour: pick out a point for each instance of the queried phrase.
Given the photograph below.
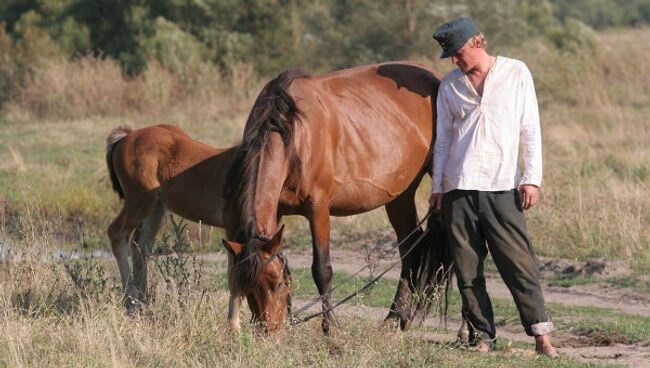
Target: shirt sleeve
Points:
(530, 133)
(443, 140)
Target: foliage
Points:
(272, 35)
(240, 40)
(179, 267)
(573, 36)
(604, 13)
(89, 275)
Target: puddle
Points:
(99, 253)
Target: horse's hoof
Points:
(132, 306)
(394, 320)
(329, 325)
(235, 328)
(405, 324)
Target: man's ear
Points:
(274, 245)
(232, 247)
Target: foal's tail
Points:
(113, 138)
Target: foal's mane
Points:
(274, 111)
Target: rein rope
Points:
(294, 320)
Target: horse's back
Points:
(162, 162)
(415, 77)
(152, 155)
(366, 101)
(367, 132)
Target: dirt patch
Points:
(594, 346)
(598, 268)
(599, 294)
(589, 347)
(602, 338)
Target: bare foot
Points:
(543, 346)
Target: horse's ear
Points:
(232, 247)
(274, 245)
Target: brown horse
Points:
(158, 169)
(339, 144)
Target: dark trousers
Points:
(478, 221)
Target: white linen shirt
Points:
(477, 138)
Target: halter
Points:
(286, 271)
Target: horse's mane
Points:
(274, 111)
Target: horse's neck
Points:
(271, 174)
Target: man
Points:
(486, 108)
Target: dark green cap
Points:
(454, 34)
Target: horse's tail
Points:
(113, 138)
(434, 273)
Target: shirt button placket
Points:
(482, 171)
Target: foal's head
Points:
(261, 273)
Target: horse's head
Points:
(261, 273)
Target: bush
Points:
(91, 86)
(573, 36)
(88, 86)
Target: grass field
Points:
(597, 166)
(55, 196)
(50, 320)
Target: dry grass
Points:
(597, 160)
(48, 321)
(53, 189)
(91, 87)
(594, 109)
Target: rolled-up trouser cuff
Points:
(542, 328)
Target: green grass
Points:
(630, 282)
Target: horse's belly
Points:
(358, 197)
(194, 211)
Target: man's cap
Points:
(454, 34)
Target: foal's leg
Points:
(141, 247)
(321, 268)
(119, 232)
(402, 215)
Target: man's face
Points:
(466, 57)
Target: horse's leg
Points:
(234, 301)
(234, 306)
(119, 232)
(321, 268)
(141, 247)
(463, 332)
(402, 215)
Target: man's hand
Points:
(436, 202)
(529, 195)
